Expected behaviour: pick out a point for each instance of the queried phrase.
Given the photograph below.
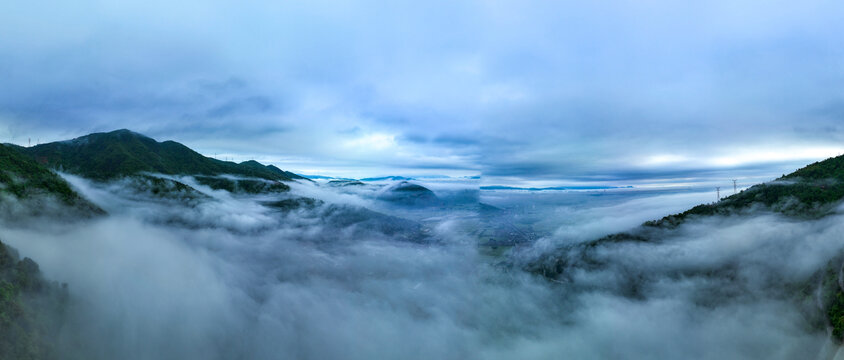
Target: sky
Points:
(522, 92)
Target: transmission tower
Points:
(718, 193)
(735, 188)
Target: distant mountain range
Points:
(321, 177)
(499, 187)
(387, 178)
(375, 179)
(391, 178)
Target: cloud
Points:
(626, 92)
(549, 85)
(230, 278)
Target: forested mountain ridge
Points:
(26, 180)
(806, 196)
(809, 192)
(120, 153)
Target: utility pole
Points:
(735, 189)
(718, 192)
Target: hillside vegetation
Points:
(809, 192)
(30, 309)
(25, 179)
(106, 156)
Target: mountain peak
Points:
(123, 152)
(116, 135)
(125, 132)
(251, 163)
(120, 134)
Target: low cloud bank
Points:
(229, 278)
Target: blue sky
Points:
(528, 92)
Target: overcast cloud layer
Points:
(544, 91)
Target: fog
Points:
(225, 277)
(588, 215)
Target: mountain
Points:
(163, 188)
(33, 183)
(501, 187)
(29, 308)
(340, 217)
(807, 194)
(106, 156)
(406, 193)
(289, 174)
(321, 177)
(242, 186)
(387, 178)
(337, 183)
(318, 177)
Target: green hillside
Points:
(30, 309)
(811, 191)
(106, 156)
(25, 179)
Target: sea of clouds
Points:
(229, 278)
